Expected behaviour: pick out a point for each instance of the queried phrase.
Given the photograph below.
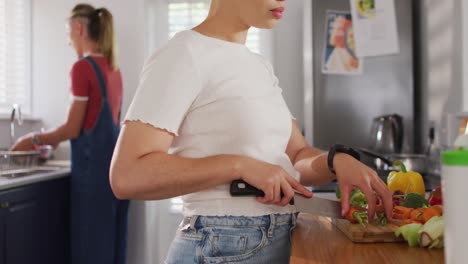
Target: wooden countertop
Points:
(317, 240)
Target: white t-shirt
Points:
(218, 98)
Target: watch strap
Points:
(340, 148)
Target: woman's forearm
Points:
(57, 135)
(70, 129)
(160, 175)
(312, 166)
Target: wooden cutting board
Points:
(369, 234)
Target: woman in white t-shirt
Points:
(208, 111)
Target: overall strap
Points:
(100, 76)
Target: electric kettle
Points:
(387, 134)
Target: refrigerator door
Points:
(344, 106)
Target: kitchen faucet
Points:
(15, 114)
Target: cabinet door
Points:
(22, 228)
(34, 223)
(2, 232)
(55, 210)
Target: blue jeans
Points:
(233, 239)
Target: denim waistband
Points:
(197, 221)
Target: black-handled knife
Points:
(315, 205)
(241, 188)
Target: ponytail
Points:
(100, 29)
(105, 35)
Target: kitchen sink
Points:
(24, 172)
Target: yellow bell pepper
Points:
(405, 181)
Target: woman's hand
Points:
(279, 187)
(351, 174)
(24, 143)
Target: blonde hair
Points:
(100, 29)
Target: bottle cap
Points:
(455, 157)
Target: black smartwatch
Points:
(339, 148)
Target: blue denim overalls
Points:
(98, 218)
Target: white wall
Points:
(288, 56)
(464, 10)
(442, 75)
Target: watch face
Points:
(35, 140)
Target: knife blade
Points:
(314, 205)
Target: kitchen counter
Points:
(317, 240)
(57, 172)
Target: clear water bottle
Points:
(454, 184)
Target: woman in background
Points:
(98, 218)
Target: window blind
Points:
(15, 55)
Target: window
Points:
(185, 14)
(15, 55)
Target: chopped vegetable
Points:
(415, 200)
(430, 213)
(380, 212)
(382, 219)
(432, 232)
(400, 212)
(410, 233)
(437, 243)
(379, 208)
(410, 221)
(358, 199)
(439, 208)
(435, 198)
(417, 214)
(357, 214)
(405, 181)
(398, 197)
(358, 211)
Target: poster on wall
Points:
(375, 28)
(339, 56)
